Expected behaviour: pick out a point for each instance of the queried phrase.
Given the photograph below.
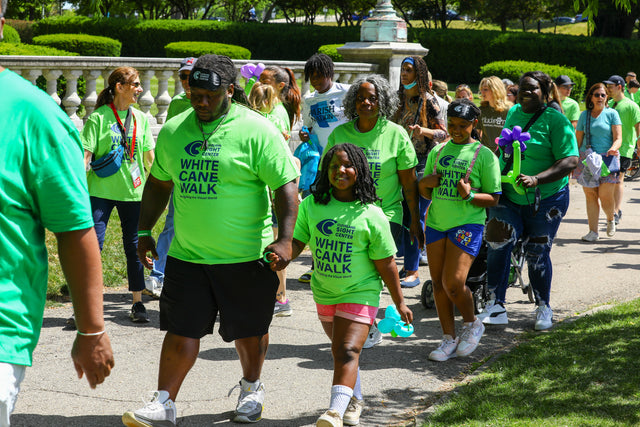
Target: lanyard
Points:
(123, 130)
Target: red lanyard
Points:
(124, 134)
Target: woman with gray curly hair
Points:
(369, 104)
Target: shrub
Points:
(332, 51)
(10, 35)
(512, 70)
(184, 49)
(83, 44)
(24, 29)
(147, 38)
(29, 49)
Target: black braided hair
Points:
(364, 190)
(422, 78)
(226, 69)
(320, 63)
(545, 82)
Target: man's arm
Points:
(286, 206)
(80, 260)
(154, 199)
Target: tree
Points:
(611, 18)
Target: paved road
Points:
(398, 380)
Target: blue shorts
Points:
(467, 237)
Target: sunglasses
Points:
(184, 76)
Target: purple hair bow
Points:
(508, 137)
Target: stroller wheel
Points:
(529, 291)
(426, 296)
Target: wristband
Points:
(144, 233)
(537, 180)
(91, 334)
(469, 197)
(264, 257)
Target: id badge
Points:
(134, 169)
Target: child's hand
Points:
(464, 188)
(286, 135)
(416, 129)
(405, 313)
(431, 180)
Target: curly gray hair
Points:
(388, 100)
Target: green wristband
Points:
(144, 233)
(470, 197)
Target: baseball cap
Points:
(563, 80)
(187, 64)
(615, 80)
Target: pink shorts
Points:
(357, 312)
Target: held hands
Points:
(278, 254)
(147, 244)
(92, 356)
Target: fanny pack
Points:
(110, 163)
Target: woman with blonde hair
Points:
(494, 107)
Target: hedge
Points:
(24, 29)
(83, 44)
(184, 49)
(512, 70)
(332, 51)
(147, 38)
(10, 35)
(29, 49)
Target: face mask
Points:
(410, 85)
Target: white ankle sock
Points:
(340, 398)
(357, 390)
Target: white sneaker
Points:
(152, 287)
(494, 314)
(374, 337)
(470, 338)
(250, 402)
(446, 350)
(354, 410)
(591, 236)
(611, 228)
(159, 411)
(330, 418)
(544, 317)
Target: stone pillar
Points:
(384, 42)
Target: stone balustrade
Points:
(163, 69)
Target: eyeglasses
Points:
(599, 95)
(184, 76)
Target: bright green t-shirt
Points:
(222, 213)
(552, 138)
(571, 109)
(447, 209)
(388, 150)
(344, 238)
(179, 103)
(279, 117)
(629, 113)
(42, 185)
(101, 135)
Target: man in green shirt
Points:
(629, 113)
(633, 95)
(570, 107)
(220, 159)
(43, 185)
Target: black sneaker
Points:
(139, 313)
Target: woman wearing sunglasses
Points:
(550, 155)
(599, 130)
(116, 125)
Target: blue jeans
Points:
(129, 213)
(411, 249)
(507, 223)
(163, 243)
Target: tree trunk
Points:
(611, 22)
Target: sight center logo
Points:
(324, 226)
(193, 149)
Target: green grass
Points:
(114, 264)
(582, 373)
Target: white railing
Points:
(163, 69)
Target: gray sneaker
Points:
(374, 337)
(152, 287)
(282, 309)
(159, 411)
(470, 338)
(250, 402)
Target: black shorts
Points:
(625, 162)
(194, 294)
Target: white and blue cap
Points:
(187, 64)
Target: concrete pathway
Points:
(399, 382)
